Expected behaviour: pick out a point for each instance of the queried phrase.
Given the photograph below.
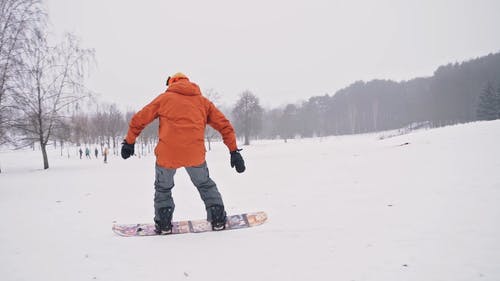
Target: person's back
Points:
(183, 113)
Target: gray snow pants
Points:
(164, 182)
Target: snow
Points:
(340, 208)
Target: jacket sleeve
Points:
(217, 120)
(142, 118)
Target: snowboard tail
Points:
(191, 226)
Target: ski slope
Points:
(340, 208)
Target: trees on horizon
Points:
(359, 108)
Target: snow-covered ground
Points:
(340, 208)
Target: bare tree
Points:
(114, 124)
(288, 122)
(18, 20)
(98, 123)
(211, 133)
(80, 128)
(51, 81)
(148, 137)
(248, 115)
(62, 133)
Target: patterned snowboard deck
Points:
(192, 226)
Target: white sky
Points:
(283, 51)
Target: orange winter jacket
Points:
(183, 114)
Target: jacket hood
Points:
(184, 87)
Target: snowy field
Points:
(340, 208)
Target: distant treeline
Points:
(450, 96)
(454, 94)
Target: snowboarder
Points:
(81, 152)
(183, 113)
(87, 152)
(96, 152)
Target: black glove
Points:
(237, 161)
(127, 149)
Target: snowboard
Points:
(191, 226)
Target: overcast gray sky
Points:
(283, 51)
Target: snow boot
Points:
(218, 217)
(164, 225)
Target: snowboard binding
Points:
(163, 226)
(218, 217)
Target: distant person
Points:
(183, 113)
(96, 151)
(105, 154)
(87, 152)
(81, 152)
